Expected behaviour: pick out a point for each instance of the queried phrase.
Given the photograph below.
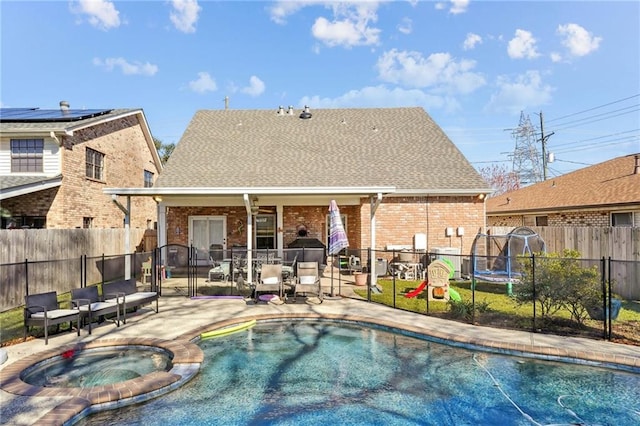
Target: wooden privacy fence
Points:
(621, 244)
(52, 259)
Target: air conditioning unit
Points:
(453, 255)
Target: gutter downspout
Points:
(247, 205)
(127, 233)
(375, 203)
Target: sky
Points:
(483, 70)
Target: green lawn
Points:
(494, 307)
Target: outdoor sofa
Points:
(126, 292)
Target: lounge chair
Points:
(270, 280)
(308, 280)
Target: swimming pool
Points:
(321, 372)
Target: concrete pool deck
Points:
(181, 319)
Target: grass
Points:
(493, 307)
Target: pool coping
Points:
(188, 357)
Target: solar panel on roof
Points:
(36, 115)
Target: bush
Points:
(561, 282)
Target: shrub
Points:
(561, 282)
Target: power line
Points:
(637, 108)
(594, 108)
(592, 139)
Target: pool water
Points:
(97, 367)
(331, 373)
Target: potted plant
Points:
(597, 313)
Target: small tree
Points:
(560, 282)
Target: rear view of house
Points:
(55, 163)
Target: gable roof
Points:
(612, 183)
(382, 147)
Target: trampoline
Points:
(495, 257)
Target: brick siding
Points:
(126, 157)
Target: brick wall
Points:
(575, 218)
(126, 157)
(397, 221)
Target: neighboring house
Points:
(253, 178)
(54, 165)
(606, 194)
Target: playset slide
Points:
(417, 291)
(453, 294)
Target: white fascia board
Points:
(363, 191)
(31, 188)
(428, 192)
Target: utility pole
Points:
(543, 139)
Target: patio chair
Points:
(43, 310)
(308, 280)
(270, 279)
(221, 272)
(146, 271)
(289, 269)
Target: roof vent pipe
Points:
(280, 110)
(64, 105)
(636, 169)
(305, 113)
(290, 110)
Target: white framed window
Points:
(27, 155)
(622, 219)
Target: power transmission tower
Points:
(526, 158)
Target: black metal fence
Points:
(542, 294)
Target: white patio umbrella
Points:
(337, 236)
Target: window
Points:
(542, 220)
(26, 155)
(622, 219)
(87, 222)
(24, 222)
(148, 179)
(265, 231)
(95, 164)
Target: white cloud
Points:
(579, 41)
(381, 96)
(439, 71)
(555, 57)
(523, 45)
(204, 83)
(127, 68)
(406, 26)
(101, 14)
(471, 41)
(350, 25)
(457, 6)
(525, 91)
(282, 9)
(185, 15)
(255, 88)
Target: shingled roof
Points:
(613, 183)
(399, 147)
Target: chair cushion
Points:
(270, 280)
(56, 313)
(308, 279)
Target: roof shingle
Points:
(400, 147)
